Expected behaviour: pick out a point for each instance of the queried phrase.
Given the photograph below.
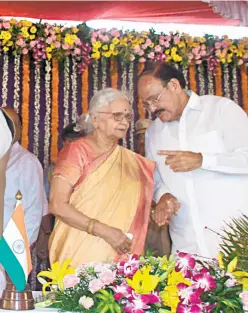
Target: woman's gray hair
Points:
(102, 99)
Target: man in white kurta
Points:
(212, 132)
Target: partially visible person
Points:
(158, 238)
(5, 145)
(24, 173)
(100, 191)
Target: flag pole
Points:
(11, 298)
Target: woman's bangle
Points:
(90, 226)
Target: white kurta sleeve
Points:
(6, 137)
(159, 187)
(34, 199)
(234, 128)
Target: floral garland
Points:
(45, 41)
(185, 284)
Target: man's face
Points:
(162, 101)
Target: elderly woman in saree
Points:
(100, 191)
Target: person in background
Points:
(100, 192)
(200, 145)
(5, 145)
(158, 238)
(24, 173)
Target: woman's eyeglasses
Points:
(153, 102)
(119, 116)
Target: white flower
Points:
(86, 302)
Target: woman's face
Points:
(113, 121)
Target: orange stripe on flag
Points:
(18, 219)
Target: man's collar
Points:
(194, 102)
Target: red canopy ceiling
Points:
(186, 12)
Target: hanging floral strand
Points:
(74, 89)
(200, 71)
(226, 81)
(235, 85)
(5, 79)
(210, 83)
(104, 73)
(66, 91)
(17, 61)
(48, 113)
(124, 88)
(131, 99)
(36, 111)
(95, 76)
(185, 74)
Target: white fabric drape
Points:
(235, 10)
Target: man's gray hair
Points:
(102, 99)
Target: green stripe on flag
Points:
(12, 265)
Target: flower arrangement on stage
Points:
(181, 284)
(44, 41)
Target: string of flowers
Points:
(235, 85)
(124, 88)
(66, 91)
(16, 97)
(48, 113)
(131, 91)
(36, 111)
(5, 79)
(44, 41)
(74, 89)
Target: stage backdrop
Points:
(52, 96)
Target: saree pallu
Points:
(116, 190)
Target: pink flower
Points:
(148, 42)
(95, 285)
(49, 40)
(188, 295)
(136, 305)
(77, 51)
(151, 55)
(166, 44)
(129, 268)
(144, 46)
(181, 308)
(161, 42)
(105, 38)
(32, 43)
(244, 298)
(158, 48)
(196, 50)
(77, 41)
(25, 51)
(107, 277)
(190, 56)
(114, 32)
(122, 291)
(217, 52)
(176, 39)
(168, 38)
(198, 62)
(86, 302)
(6, 25)
(20, 42)
(141, 52)
(225, 44)
(204, 281)
(57, 44)
(137, 49)
(203, 53)
(66, 46)
(217, 45)
(151, 298)
(240, 62)
(131, 57)
(185, 263)
(94, 35)
(47, 31)
(246, 56)
(70, 281)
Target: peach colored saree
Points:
(115, 188)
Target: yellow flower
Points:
(173, 50)
(48, 49)
(107, 54)
(6, 35)
(24, 31)
(176, 58)
(10, 43)
(96, 55)
(151, 45)
(115, 41)
(32, 37)
(181, 44)
(170, 297)
(75, 30)
(143, 282)
(167, 51)
(115, 52)
(5, 49)
(57, 274)
(70, 39)
(123, 41)
(97, 44)
(33, 30)
(112, 46)
(105, 47)
(49, 56)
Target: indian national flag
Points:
(14, 249)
